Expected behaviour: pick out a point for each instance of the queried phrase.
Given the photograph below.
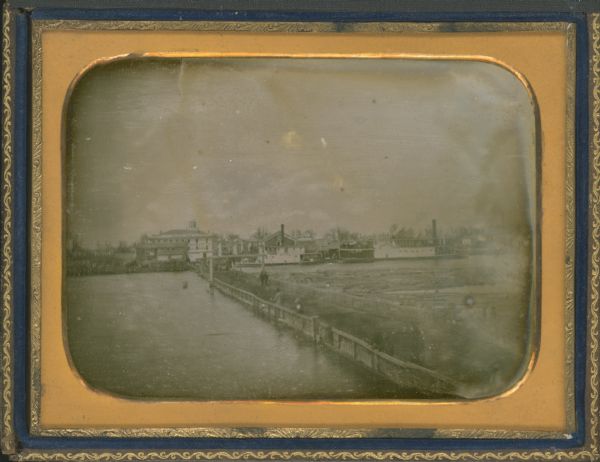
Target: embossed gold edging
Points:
(588, 453)
(570, 232)
(583, 455)
(594, 284)
(36, 228)
(307, 27)
(284, 432)
(8, 439)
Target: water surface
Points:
(145, 336)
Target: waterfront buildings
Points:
(189, 244)
(175, 248)
(395, 251)
(282, 249)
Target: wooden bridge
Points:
(403, 373)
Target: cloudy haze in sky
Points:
(313, 143)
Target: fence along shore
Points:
(403, 373)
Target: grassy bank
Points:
(370, 325)
(442, 334)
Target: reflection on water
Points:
(145, 335)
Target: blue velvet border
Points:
(21, 237)
(21, 149)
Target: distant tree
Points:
(342, 234)
(309, 233)
(467, 231)
(75, 243)
(405, 233)
(332, 234)
(298, 233)
(260, 234)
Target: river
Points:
(149, 336)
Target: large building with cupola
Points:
(188, 244)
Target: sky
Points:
(237, 144)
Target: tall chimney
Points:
(282, 233)
(434, 230)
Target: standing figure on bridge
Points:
(264, 277)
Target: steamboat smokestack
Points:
(434, 230)
(282, 233)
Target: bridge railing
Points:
(403, 373)
(272, 310)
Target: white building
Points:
(284, 256)
(390, 251)
(177, 244)
(200, 246)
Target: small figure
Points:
(298, 305)
(469, 301)
(277, 297)
(264, 277)
(185, 285)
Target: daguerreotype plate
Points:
(351, 231)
